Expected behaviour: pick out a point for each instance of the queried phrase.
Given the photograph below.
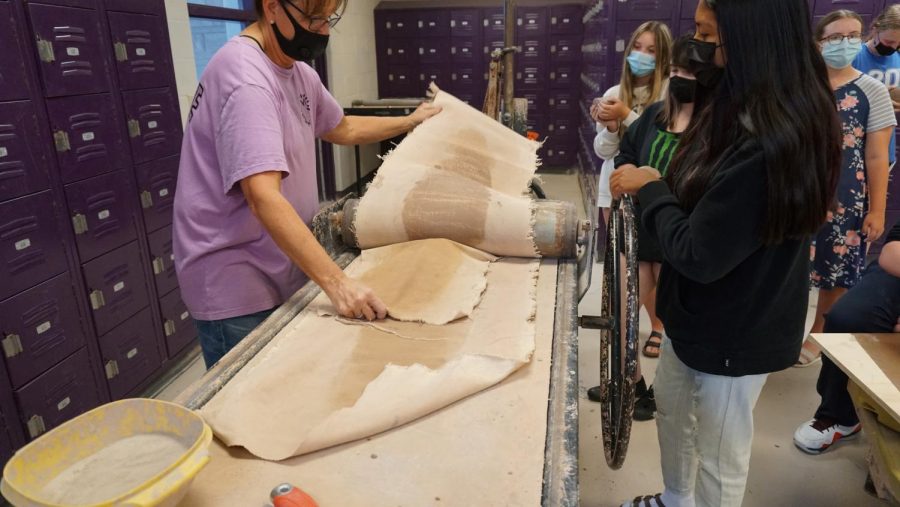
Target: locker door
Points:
(563, 132)
(465, 23)
(394, 23)
(140, 6)
(142, 55)
(13, 78)
(438, 74)
(564, 76)
(563, 105)
(689, 7)
(66, 391)
(102, 214)
(432, 22)
(566, 19)
(154, 123)
(686, 26)
(468, 79)
(646, 9)
(156, 184)
(532, 21)
(130, 354)
(402, 82)
(859, 6)
(534, 76)
(178, 326)
(87, 4)
(70, 48)
(534, 52)
(565, 48)
(433, 51)
(466, 51)
(23, 164)
(31, 248)
(40, 327)
(163, 260)
(493, 23)
(116, 286)
(87, 134)
(401, 51)
(537, 101)
(6, 445)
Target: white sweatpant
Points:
(705, 427)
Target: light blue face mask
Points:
(839, 56)
(641, 64)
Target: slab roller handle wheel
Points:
(618, 360)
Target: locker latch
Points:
(159, 265)
(45, 50)
(36, 426)
(97, 300)
(134, 128)
(61, 140)
(121, 51)
(79, 222)
(12, 345)
(146, 199)
(169, 327)
(112, 369)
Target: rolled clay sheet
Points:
(461, 176)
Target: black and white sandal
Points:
(646, 501)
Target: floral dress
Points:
(839, 250)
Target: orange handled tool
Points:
(287, 495)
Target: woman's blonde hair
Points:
(889, 19)
(831, 17)
(663, 56)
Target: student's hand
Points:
(354, 300)
(595, 110)
(630, 179)
(423, 112)
(613, 109)
(873, 226)
(894, 101)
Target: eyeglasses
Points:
(853, 38)
(317, 22)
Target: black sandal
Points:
(646, 501)
(656, 344)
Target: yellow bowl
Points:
(33, 467)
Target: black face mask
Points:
(682, 89)
(701, 63)
(883, 50)
(306, 46)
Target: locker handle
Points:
(121, 51)
(169, 327)
(134, 128)
(159, 265)
(146, 199)
(61, 140)
(45, 50)
(97, 300)
(36, 426)
(12, 345)
(112, 369)
(79, 222)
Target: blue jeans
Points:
(217, 337)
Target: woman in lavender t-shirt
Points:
(247, 181)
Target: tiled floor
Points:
(780, 475)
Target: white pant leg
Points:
(724, 414)
(604, 197)
(675, 388)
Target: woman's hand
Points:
(598, 116)
(423, 112)
(613, 109)
(628, 179)
(354, 300)
(873, 226)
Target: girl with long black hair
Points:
(753, 180)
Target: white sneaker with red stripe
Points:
(817, 435)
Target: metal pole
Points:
(509, 69)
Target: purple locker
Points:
(564, 76)
(489, 47)
(438, 74)
(40, 327)
(537, 100)
(566, 19)
(400, 51)
(532, 21)
(178, 326)
(87, 136)
(433, 51)
(6, 445)
(565, 48)
(402, 82)
(87, 4)
(394, 23)
(130, 354)
(532, 76)
(116, 286)
(162, 259)
(13, 78)
(66, 391)
(559, 157)
(686, 26)
(101, 212)
(562, 131)
(646, 9)
(537, 123)
(432, 22)
(467, 79)
(860, 6)
(142, 56)
(70, 50)
(473, 98)
(563, 104)
(156, 185)
(154, 123)
(23, 164)
(140, 6)
(465, 23)
(493, 23)
(465, 51)
(534, 52)
(31, 248)
(689, 7)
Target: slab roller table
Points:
(550, 381)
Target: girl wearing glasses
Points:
(247, 186)
(857, 218)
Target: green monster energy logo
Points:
(662, 150)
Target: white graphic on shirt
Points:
(890, 77)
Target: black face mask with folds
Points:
(306, 46)
(683, 89)
(883, 50)
(701, 63)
